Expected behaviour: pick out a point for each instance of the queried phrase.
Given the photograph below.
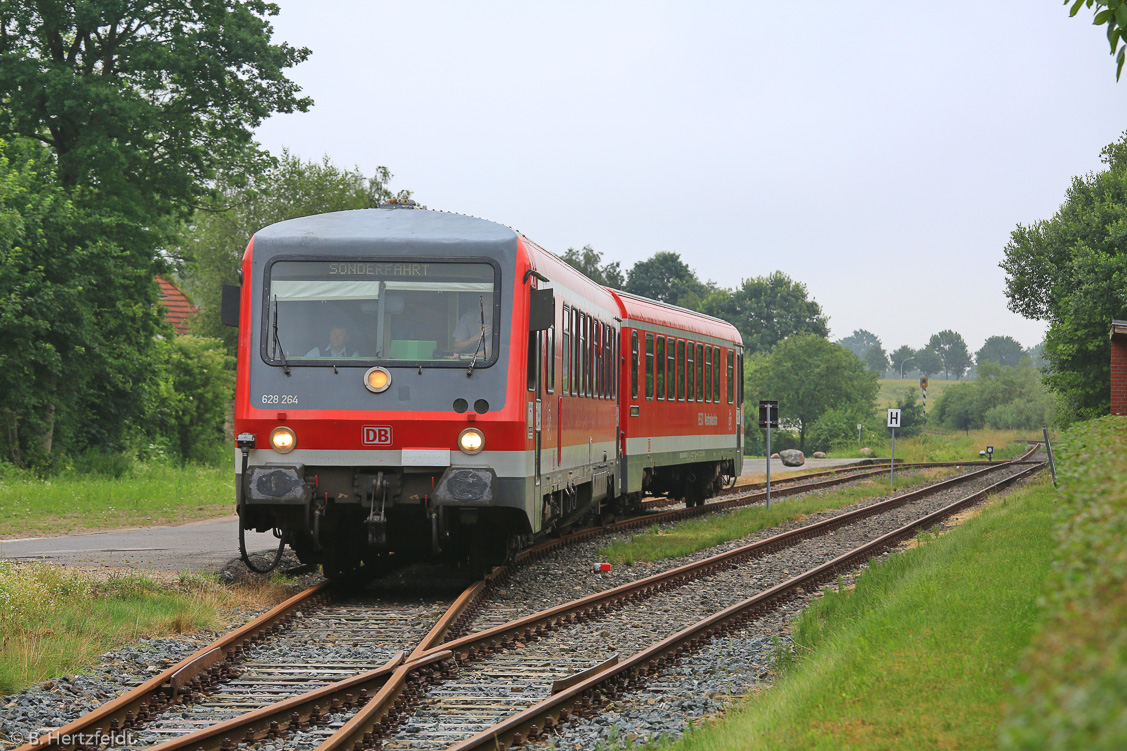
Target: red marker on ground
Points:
(602, 567)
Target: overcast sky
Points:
(878, 152)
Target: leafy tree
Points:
(860, 342)
(1003, 397)
(78, 313)
(876, 359)
(766, 310)
(1071, 270)
(590, 262)
(928, 361)
(118, 115)
(1113, 13)
(665, 277)
(1003, 350)
(952, 351)
(809, 375)
(901, 357)
(213, 242)
(141, 101)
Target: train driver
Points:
(467, 332)
(337, 346)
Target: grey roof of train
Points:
(368, 227)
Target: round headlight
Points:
(283, 440)
(377, 380)
(471, 441)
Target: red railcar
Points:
(414, 382)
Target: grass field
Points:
(54, 621)
(919, 654)
(948, 447)
(147, 494)
(892, 389)
(697, 534)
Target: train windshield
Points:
(332, 311)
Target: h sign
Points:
(893, 418)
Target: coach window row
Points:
(590, 355)
(682, 370)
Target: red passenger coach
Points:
(419, 383)
(682, 400)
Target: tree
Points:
(860, 342)
(876, 359)
(666, 278)
(952, 351)
(78, 313)
(766, 310)
(142, 101)
(213, 242)
(928, 361)
(1003, 350)
(1071, 270)
(590, 263)
(809, 375)
(118, 115)
(1114, 14)
(901, 357)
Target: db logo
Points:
(377, 435)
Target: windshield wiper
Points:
(481, 339)
(277, 340)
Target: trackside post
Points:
(768, 418)
(894, 423)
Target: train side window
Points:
(700, 372)
(649, 366)
(615, 343)
(691, 372)
(708, 372)
(659, 377)
(671, 369)
(566, 349)
(680, 370)
(589, 373)
(634, 364)
(740, 376)
(581, 355)
(716, 375)
(550, 359)
(731, 376)
(533, 358)
(608, 366)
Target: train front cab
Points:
(378, 461)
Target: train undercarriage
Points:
(348, 519)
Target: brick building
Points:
(1119, 367)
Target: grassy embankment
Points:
(144, 494)
(54, 621)
(697, 534)
(919, 654)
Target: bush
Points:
(1003, 398)
(836, 429)
(1072, 688)
(186, 412)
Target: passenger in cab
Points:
(467, 332)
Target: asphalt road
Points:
(198, 547)
(207, 546)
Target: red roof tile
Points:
(177, 307)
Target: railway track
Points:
(530, 661)
(229, 692)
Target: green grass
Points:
(698, 534)
(949, 447)
(147, 494)
(919, 654)
(54, 621)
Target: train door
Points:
(535, 363)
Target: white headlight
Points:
(471, 441)
(283, 440)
